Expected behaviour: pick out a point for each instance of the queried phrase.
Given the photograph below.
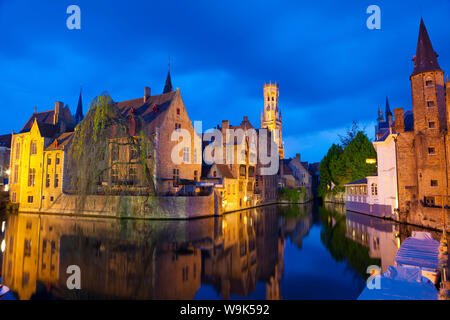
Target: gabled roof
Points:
(41, 117)
(61, 141)
(150, 109)
(425, 58)
(48, 130)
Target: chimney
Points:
(225, 125)
(297, 156)
(399, 121)
(58, 109)
(147, 93)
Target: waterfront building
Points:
(29, 174)
(294, 174)
(412, 149)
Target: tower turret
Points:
(271, 116)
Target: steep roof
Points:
(425, 58)
(41, 117)
(150, 109)
(48, 130)
(224, 171)
(168, 85)
(5, 140)
(61, 141)
(79, 114)
(388, 109)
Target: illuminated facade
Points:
(271, 115)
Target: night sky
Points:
(331, 69)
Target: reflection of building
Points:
(142, 260)
(381, 237)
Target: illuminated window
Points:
(374, 189)
(114, 175)
(133, 153)
(115, 153)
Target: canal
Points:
(273, 252)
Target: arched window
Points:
(374, 189)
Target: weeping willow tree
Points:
(110, 154)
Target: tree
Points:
(350, 133)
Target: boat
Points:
(420, 251)
(3, 290)
(401, 283)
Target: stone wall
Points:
(335, 197)
(132, 206)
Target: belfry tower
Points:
(271, 115)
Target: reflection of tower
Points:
(271, 115)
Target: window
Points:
(431, 150)
(17, 150)
(30, 199)
(178, 111)
(374, 189)
(57, 159)
(177, 126)
(195, 155)
(186, 155)
(31, 177)
(185, 274)
(114, 175)
(49, 160)
(14, 197)
(16, 174)
(47, 181)
(56, 180)
(251, 171)
(51, 199)
(430, 104)
(215, 174)
(431, 124)
(429, 201)
(132, 174)
(242, 171)
(33, 148)
(115, 153)
(429, 83)
(434, 183)
(133, 153)
(27, 248)
(195, 175)
(176, 177)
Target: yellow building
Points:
(30, 167)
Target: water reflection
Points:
(272, 252)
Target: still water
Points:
(274, 252)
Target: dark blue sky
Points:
(330, 67)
